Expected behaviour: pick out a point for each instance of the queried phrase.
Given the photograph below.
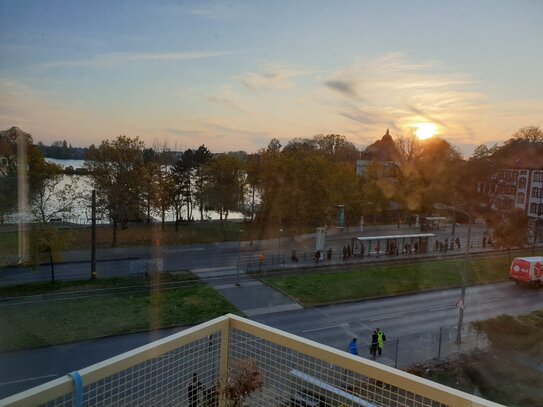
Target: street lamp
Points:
(464, 271)
(239, 250)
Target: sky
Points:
(232, 75)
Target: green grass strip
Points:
(57, 322)
(383, 280)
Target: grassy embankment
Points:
(47, 323)
(509, 372)
(382, 280)
(79, 237)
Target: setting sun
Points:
(425, 130)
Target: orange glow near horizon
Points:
(425, 130)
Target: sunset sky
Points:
(233, 75)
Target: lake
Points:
(82, 213)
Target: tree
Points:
(202, 157)
(224, 189)
(10, 141)
(47, 241)
(510, 229)
(243, 380)
(529, 134)
(427, 173)
(50, 199)
(118, 174)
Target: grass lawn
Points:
(56, 322)
(187, 233)
(382, 280)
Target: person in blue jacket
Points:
(353, 347)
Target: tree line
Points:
(297, 185)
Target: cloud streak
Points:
(121, 58)
(271, 77)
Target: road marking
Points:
(193, 249)
(534, 293)
(490, 300)
(440, 308)
(29, 379)
(386, 317)
(320, 329)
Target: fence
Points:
(434, 345)
(295, 372)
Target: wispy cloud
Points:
(347, 88)
(121, 58)
(272, 77)
(214, 11)
(226, 96)
(402, 92)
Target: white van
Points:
(528, 270)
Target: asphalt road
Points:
(407, 320)
(119, 262)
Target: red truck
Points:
(528, 270)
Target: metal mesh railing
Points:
(296, 379)
(160, 381)
(187, 369)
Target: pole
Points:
(279, 248)
(239, 250)
(397, 351)
(93, 236)
(439, 345)
(464, 274)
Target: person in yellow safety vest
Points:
(381, 338)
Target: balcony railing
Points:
(295, 372)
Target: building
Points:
(383, 150)
(518, 180)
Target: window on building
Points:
(522, 183)
(520, 198)
(535, 192)
(538, 176)
(533, 208)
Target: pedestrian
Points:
(377, 248)
(446, 245)
(484, 241)
(353, 347)
(349, 251)
(193, 390)
(293, 256)
(329, 254)
(381, 338)
(344, 253)
(374, 344)
(362, 250)
(317, 256)
(457, 241)
(261, 259)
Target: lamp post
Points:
(239, 250)
(461, 302)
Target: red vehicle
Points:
(528, 270)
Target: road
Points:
(406, 320)
(118, 262)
